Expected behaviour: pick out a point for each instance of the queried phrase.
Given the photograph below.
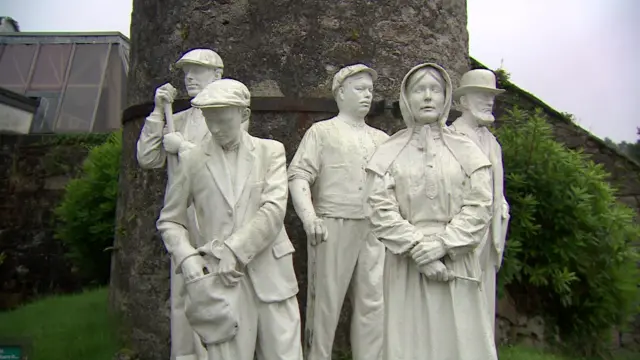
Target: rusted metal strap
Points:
(268, 104)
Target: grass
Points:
(79, 327)
(523, 353)
(64, 327)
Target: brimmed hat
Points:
(351, 70)
(204, 57)
(223, 93)
(477, 80)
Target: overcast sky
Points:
(579, 56)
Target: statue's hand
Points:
(436, 271)
(165, 94)
(427, 251)
(193, 267)
(316, 231)
(227, 268)
(185, 147)
(172, 142)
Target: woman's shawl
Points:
(464, 150)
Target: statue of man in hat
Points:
(157, 146)
(240, 282)
(326, 180)
(476, 96)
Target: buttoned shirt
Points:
(332, 157)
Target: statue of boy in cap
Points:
(157, 146)
(238, 184)
(328, 167)
(476, 95)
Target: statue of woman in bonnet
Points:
(429, 202)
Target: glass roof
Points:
(79, 78)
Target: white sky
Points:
(579, 56)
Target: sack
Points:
(211, 309)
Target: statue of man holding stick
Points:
(162, 142)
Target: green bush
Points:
(569, 254)
(87, 212)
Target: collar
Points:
(246, 141)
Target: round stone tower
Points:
(286, 52)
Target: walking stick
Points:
(168, 115)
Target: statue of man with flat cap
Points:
(476, 95)
(326, 180)
(240, 283)
(158, 145)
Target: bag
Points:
(211, 309)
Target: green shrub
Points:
(87, 212)
(569, 254)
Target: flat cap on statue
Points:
(223, 93)
(477, 80)
(351, 70)
(203, 57)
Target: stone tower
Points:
(286, 52)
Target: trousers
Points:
(351, 260)
(271, 331)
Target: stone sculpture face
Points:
(426, 96)
(356, 94)
(225, 123)
(479, 104)
(197, 77)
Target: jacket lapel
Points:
(246, 159)
(217, 166)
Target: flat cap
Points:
(351, 70)
(203, 57)
(223, 93)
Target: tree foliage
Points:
(87, 212)
(569, 251)
(630, 149)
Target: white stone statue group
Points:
(413, 226)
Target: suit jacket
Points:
(500, 219)
(151, 153)
(251, 223)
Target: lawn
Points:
(79, 327)
(64, 327)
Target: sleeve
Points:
(306, 162)
(467, 228)
(172, 222)
(150, 152)
(383, 212)
(254, 236)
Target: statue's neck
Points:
(352, 120)
(469, 120)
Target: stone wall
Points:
(34, 172)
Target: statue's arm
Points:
(172, 222)
(467, 228)
(261, 231)
(150, 152)
(302, 173)
(383, 213)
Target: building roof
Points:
(18, 101)
(555, 115)
(100, 37)
(80, 78)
